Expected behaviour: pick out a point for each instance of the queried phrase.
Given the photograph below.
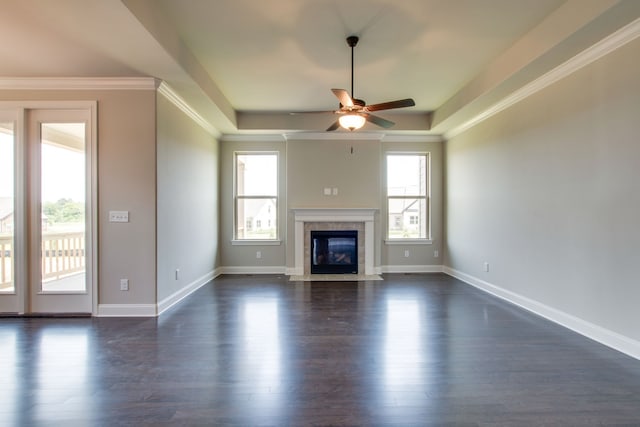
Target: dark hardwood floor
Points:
(418, 349)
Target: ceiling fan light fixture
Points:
(352, 121)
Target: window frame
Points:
(236, 198)
(426, 197)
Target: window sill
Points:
(256, 242)
(392, 242)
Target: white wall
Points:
(187, 192)
(548, 192)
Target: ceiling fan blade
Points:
(401, 103)
(378, 121)
(343, 96)
(334, 126)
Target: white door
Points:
(53, 228)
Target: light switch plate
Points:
(118, 216)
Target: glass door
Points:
(8, 296)
(47, 209)
(58, 211)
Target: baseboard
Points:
(253, 270)
(176, 297)
(411, 269)
(597, 333)
(153, 310)
(127, 310)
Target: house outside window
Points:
(256, 195)
(407, 193)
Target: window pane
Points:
(407, 175)
(256, 218)
(63, 207)
(257, 174)
(407, 218)
(6, 207)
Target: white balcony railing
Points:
(63, 254)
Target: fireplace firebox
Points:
(334, 252)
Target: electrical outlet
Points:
(258, 254)
(436, 253)
(124, 284)
(406, 254)
(486, 266)
(177, 274)
(334, 191)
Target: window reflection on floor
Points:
(262, 350)
(61, 373)
(404, 353)
(9, 375)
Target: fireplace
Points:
(334, 252)
(333, 219)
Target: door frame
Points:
(22, 278)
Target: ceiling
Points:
(245, 65)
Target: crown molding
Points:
(275, 137)
(334, 136)
(413, 138)
(165, 90)
(78, 83)
(603, 47)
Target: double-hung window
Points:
(407, 193)
(256, 196)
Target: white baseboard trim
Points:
(597, 333)
(153, 310)
(127, 310)
(253, 270)
(411, 269)
(178, 296)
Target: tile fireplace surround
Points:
(307, 219)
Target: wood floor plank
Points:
(412, 350)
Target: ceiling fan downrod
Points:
(352, 41)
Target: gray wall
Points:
(126, 181)
(548, 193)
(187, 217)
(420, 255)
(308, 166)
(243, 256)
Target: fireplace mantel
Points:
(364, 215)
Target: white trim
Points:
(247, 242)
(252, 138)
(342, 136)
(412, 269)
(253, 270)
(398, 242)
(78, 83)
(597, 333)
(584, 58)
(413, 138)
(127, 310)
(170, 95)
(178, 296)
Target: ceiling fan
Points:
(355, 112)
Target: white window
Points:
(407, 196)
(255, 194)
